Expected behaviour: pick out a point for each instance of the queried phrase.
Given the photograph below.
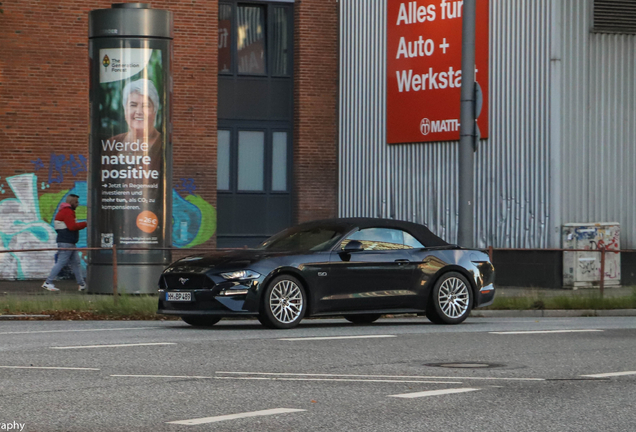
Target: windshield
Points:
(303, 239)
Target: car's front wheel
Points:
(201, 320)
(284, 303)
(451, 299)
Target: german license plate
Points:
(179, 296)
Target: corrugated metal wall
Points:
(418, 182)
(599, 124)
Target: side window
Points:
(411, 242)
(378, 239)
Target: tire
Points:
(284, 303)
(363, 318)
(451, 299)
(201, 320)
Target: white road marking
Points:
(337, 337)
(286, 379)
(162, 376)
(545, 331)
(380, 376)
(48, 367)
(205, 420)
(611, 374)
(434, 393)
(114, 346)
(72, 331)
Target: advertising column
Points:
(130, 146)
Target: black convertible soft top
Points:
(420, 232)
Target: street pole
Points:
(467, 128)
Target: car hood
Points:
(236, 258)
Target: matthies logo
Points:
(183, 280)
(438, 126)
(425, 126)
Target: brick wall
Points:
(44, 113)
(315, 99)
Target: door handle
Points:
(402, 261)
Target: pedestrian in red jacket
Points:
(67, 237)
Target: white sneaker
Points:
(82, 287)
(49, 286)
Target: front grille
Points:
(186, 281)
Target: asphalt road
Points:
(395, 375)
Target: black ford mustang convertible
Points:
(359, 268)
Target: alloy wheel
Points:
(453, 297)
(286, 301)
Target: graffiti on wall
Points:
(26, 219)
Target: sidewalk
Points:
(34, 287)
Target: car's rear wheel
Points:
(284, 303)
(201, 320)
(451, 299)
(363, 318)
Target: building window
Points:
(225, 38)
(279, 161)
(614, 16)
(255, 39)
(223, 160)
(280, 42)
(251, 160)
(250, 40)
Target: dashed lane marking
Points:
(286, 379)
(544, 332)
(610, 374)
(336, 337)
(48, 367)
(79, 330)
(434, 393)
(377, 376)
(205, 420)
(114, 346)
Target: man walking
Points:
(67, 237)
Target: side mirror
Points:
(353, 246)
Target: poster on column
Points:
(131, 147)
(424, 76)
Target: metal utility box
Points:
(583, 269)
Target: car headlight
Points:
(241, 274)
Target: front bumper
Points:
(241, 300)
(486, 296)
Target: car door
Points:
(379, 276)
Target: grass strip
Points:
(82, 306)
(571, 301)
(144, 307)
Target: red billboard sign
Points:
(424, 76)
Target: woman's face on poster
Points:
(140, 113)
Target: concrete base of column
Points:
(133, 279)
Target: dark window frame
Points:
(268, 129)
(269, 28)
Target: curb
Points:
(553, 313)
(10, 317)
